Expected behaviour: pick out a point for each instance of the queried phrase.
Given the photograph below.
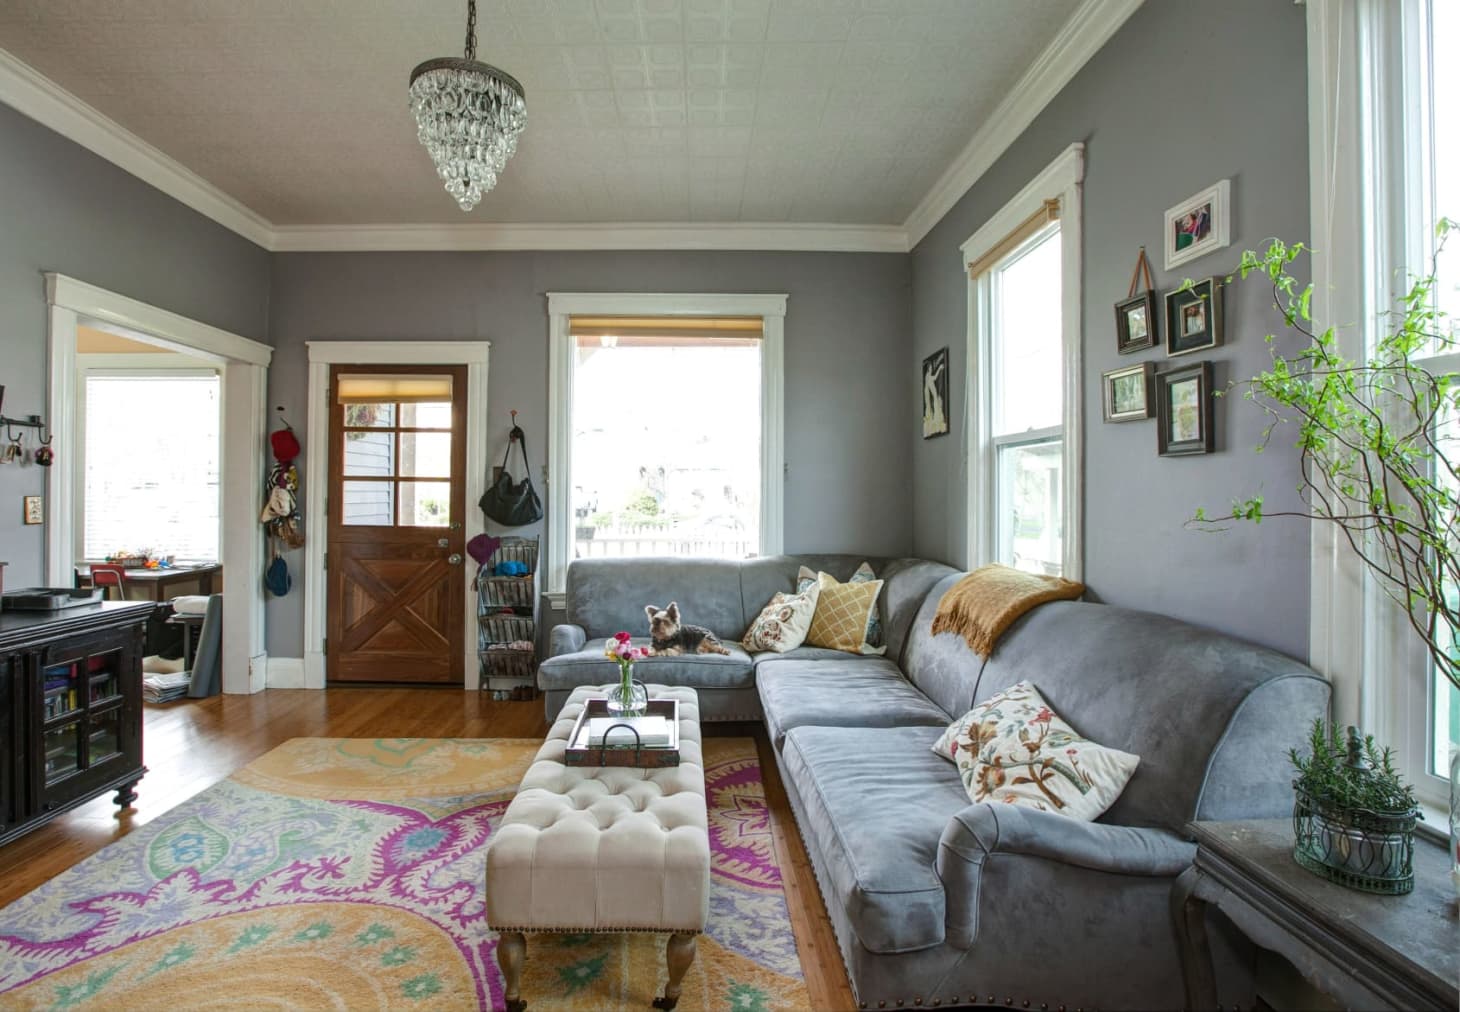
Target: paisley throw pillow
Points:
(782, 625)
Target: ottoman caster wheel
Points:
(666, 1003)
(516, 1004)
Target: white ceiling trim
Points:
(1089, 28)
(31, 93)
(629, 236)
(1081, 37)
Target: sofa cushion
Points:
(942, 665)
(806, 578)
(853, 692)
(608, 595)
(783, 623)
(843, 615)
(1143, 683)
(1014, 749)
(590, 667)
(874, 803)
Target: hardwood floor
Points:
(194, 744)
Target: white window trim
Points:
(323, 354)
(1359, 210)
(88, 365)
(561, 306)
(1060, 180)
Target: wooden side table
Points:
(1368, 951)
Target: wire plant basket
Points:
(1372, 852)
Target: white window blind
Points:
(151, 465)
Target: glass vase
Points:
(628, 698)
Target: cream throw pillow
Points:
(841, 615)
(1013, 749)
(782, 625)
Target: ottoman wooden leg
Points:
(679, 952)
(511, 951)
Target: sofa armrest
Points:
(1069, 848)
(566, 639)
(982, 830)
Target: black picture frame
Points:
(1128, 314)
(1194, 318)
(1117, 404)
(1184, 410)
(935, 395)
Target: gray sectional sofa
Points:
(935, 900)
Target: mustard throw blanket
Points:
(988, 600)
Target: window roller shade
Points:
(380, 388)
(1046, 215)
(662, 331)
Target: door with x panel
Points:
(397, 499)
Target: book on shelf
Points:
(653, 731)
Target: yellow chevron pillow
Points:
(840, 622)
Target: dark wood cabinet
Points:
(73, 727)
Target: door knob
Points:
(454, 558)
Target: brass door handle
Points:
(454, 558)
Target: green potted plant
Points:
(1379, 440)
(1353, 816)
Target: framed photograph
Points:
(34, 510)
(1184, 410)
(1128, 394)
(1194, 317)
(1136, 323)
(1200, 224)
(935, 394)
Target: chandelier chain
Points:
(471, 29)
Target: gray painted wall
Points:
(1160, 123)
(64, 209)
(846, 326)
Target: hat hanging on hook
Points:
(285, 444)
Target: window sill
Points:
(557, 599)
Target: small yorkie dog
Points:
(670, 638)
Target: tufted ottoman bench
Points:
(612, 849)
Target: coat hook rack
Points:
(280, 408)
(29, 422)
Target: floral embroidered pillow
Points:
(1013, 749)
(864, 574)
(782, 625)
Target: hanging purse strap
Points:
(519, 437)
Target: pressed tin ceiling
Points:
(694, 111)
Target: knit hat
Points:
(285, 444)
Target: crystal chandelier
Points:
(469, 115)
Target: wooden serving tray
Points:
(642, 757)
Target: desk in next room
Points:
(162, 584)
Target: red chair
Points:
(106, 575)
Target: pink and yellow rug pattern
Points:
(348, 873)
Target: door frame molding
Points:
(322, 355)
(242, 363)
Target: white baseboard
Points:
(314, 670)
(286, 673)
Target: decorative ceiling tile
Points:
(642, 110)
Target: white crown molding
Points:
(1081, 37)
(1089, 28)
(665, 304)
(757, 236)
(29, 92)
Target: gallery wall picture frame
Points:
(1184, 410)
(34, 510)
(1194, 317)
(1200, 224)
(935, 394)
(1128, 393)
(1136, 323)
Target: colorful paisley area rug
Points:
(348, 874)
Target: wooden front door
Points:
(396, 590)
